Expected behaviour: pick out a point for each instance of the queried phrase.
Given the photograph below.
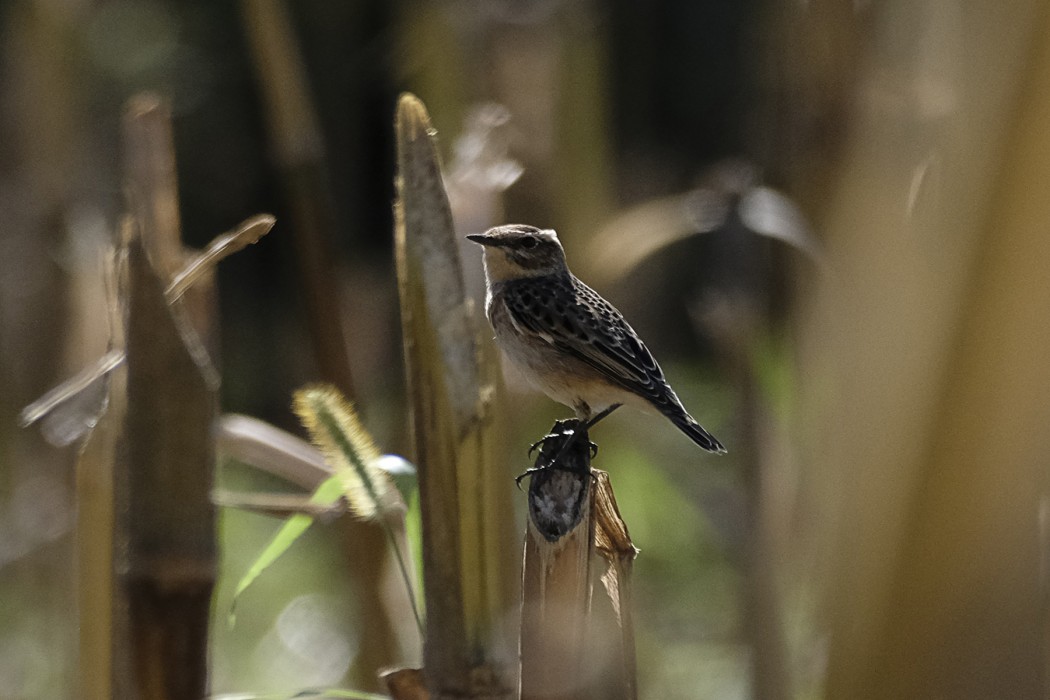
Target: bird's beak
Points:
(481, 238)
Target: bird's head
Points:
(516, 250)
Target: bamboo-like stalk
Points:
(923, 371)
(967, 606)
(162, 461)
(556, 573)
(145, 524)
(96, 582)
(613, 543)
(164, 484)
(298, 149)
(465, 523)
(97, 586)
(567, 650)
(153, 200)
(163, 488)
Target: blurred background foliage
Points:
(863, 321)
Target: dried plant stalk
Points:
(465, 524)
(556, 574)
(163, 492)
(146, 525)
(613, 543)
(568, 650)
(97, 587)
(920, 461)
(163, 463)
(966, 610)
(298, 149)
(95, 573)
(149, 163)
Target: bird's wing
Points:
(574, 319)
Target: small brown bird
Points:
(567, 340)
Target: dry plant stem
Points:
(153, 209)
(406, 684)
(70, 388)
(149, 163)
(613, 543)
(763, 614)
(165, 528)
(98, 596)
(967, 602)
(200, 268)
(463, 512)
(145, 634)
(556, 575)
(922, 499)
(247, 233)
(97, 586)
(163, 491)
(733, 326)
(298, 147)
(565, 650)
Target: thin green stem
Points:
(351, 453)
(405, 577)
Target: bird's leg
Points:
(586, 425)
(602, 414)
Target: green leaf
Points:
(328, 493)
(414, 537)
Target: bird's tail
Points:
(688, 425)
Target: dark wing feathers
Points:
(573, 318)
(576, 320)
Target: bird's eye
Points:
(529, 242)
